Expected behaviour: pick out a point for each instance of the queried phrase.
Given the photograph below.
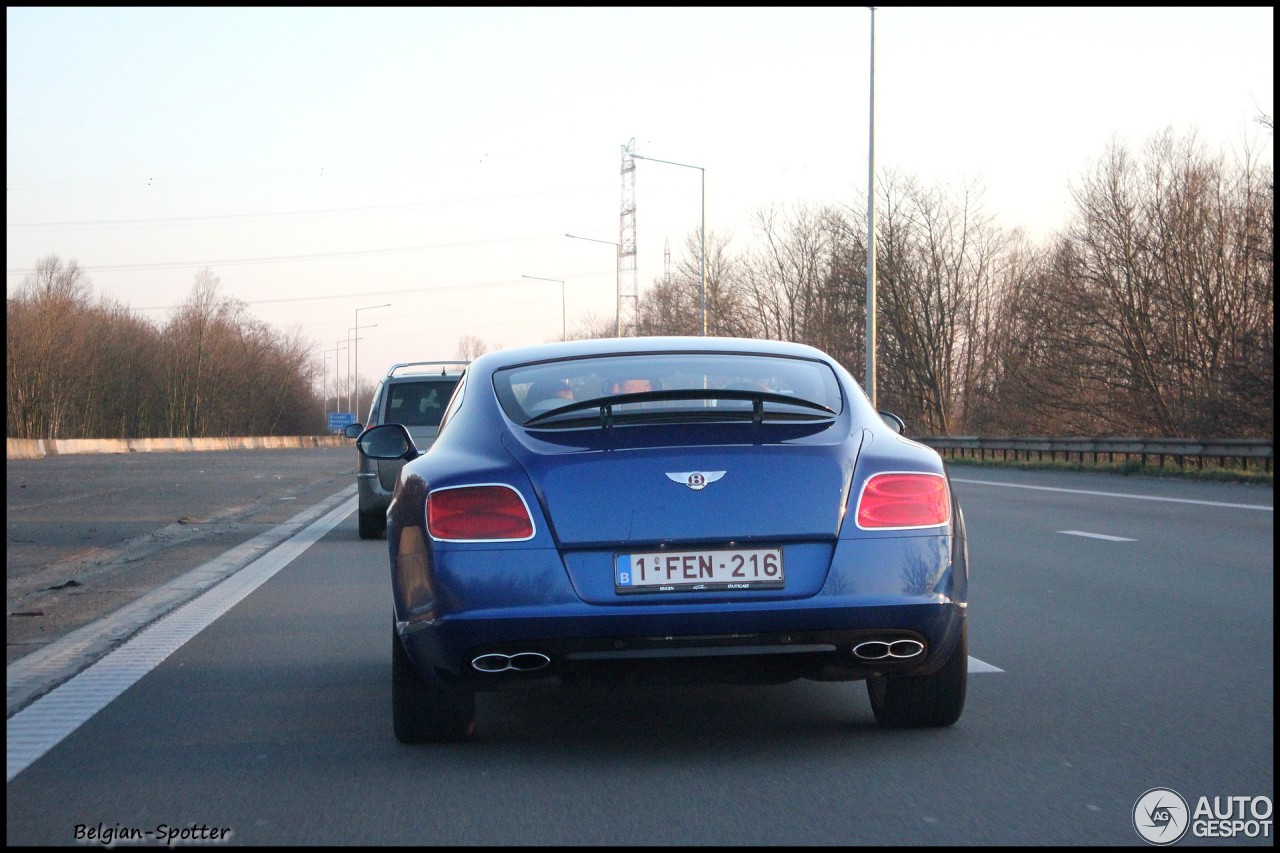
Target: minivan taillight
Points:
(898, 500)
(476, 513)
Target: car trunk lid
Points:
(695, 494)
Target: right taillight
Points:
(901, 500)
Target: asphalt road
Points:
(87, 534)
(1121, 633)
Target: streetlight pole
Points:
(334, 354)
(347, 387)
(871, 225)
(358, 310)
(617, 280)
(324, 375)
(339, 346)
(564, 336)
(353, 339)
(704, 229)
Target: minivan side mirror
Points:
(387, 441)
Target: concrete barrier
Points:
(37, 448)
(25, 448)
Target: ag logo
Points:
(1160, 816)
(696, 480)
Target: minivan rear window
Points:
(417, 403)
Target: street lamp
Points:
(617, 283)
(704, 229)
(358, 310)
(564, 336)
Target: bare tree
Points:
(45, 336)
(1170, 263)
(123, 367)
(77, 368)
(838, 323)
(669, 308)
(674, 307)
(592, 327)
(936, 265)
(187, 334)
(786, 273)
(471, 347)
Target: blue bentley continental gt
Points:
(670, 510)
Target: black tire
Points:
(424, 712)
(923, 701)
(373, 525)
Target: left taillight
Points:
(478, 513)
(903, 500)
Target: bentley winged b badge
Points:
(696, 480)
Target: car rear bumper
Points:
(757, 645)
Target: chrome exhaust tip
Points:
(520, 661)
(888, 649)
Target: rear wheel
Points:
(373, 525)
(922, 701)
(423, 711)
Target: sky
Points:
(415, 171)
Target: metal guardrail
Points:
(1181, 450)
(1246, 450)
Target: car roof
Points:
(426, 370)
(422, 377)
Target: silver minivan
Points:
(412, 393)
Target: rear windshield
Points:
(530, 390)
(417, 403)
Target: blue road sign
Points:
(338, 420)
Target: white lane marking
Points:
(37, 673)
(1097, 536)
(1262, 507)
(43, 724)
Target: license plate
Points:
(695, 571)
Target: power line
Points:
(130, 182)
(287, 258)
(266, 215)
(224, 217)
(372, 294)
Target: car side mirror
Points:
(353, 430)
(387, 441)
(894, 421)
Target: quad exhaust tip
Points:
(520, 661)
(888, 649)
